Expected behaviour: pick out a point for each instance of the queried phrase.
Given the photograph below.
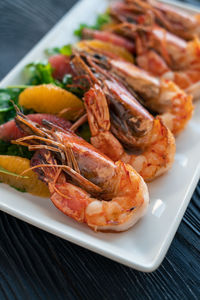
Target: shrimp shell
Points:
(85, 184)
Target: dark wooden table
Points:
(38, 265)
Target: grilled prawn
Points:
(135, 123)
(159, 147)
(159, 51)
(178, 22)
(119, 118)
(169, 56)
(84, 184)
(175, 20)
(163, 97)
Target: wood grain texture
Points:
(37, 265)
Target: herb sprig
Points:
(7, 148)
(8, 96)
(39, 73)
(102, 19)
(65, 50)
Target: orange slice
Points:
(50, 99)
(87, 45)
(29, 182)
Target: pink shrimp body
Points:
(176, 20)
(172, 104)
(158, 50)
(158, 144)
(85, 184)
(162, 96)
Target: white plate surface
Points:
(144, 246)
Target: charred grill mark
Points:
(124, 121)
(137, 127)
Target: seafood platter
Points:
(100, 128)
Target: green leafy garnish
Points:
(19, 189)
(5, 101)
(67, 81)
(41, 72)
(78, 31)
(38, 73)
(101, 20)
(84, 132)
(65, 50)
(7, 97)
(7, 148)
(4, 171)
(18, 86)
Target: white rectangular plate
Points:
(144, 246)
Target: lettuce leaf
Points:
(38, 73)
(65, 50)
(101, 20)
(8, 96)
(7, 148)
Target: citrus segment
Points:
(50, 99)
(29, 182)
(106, 47)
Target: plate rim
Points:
(145, 267)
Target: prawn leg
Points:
(86, 185)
